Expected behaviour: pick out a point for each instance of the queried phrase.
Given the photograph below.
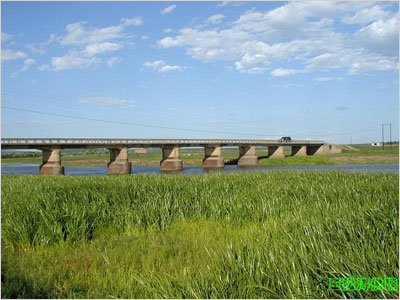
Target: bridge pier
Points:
(171, 160)
(318, 149)
(247, 156)
(213, 157)
(299, 150)
(119, 163)
(51, 162)
(275, 151)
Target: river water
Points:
(33, 169)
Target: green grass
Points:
(239, 235)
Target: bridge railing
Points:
(104, 141)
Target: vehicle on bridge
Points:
(285, 139)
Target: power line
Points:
(163, 127)
(125, 123)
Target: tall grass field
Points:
(278, 234)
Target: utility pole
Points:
(383, 138)
(390, 126)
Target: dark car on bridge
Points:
(285, 139)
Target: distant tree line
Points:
(21, 154)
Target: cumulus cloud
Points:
(52, 37)
(161, 67)
(5, 37)
(283, 72)
(112, 60)
(90, 42)
(97, 48)
(7, 54)
(322, 79)
(27, 63)
(35, 50)
(79, 34)
(215, 19)
(155, 64)
(107, 101)
(44, 68)
(169, 68)
(382, 36)
(73, 61)
(132, 21)
(298, 32)
(366, 15)
(168, 9)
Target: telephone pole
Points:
(383, 138)
(390, 126)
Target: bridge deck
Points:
(38, 143)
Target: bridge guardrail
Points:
(104, 141)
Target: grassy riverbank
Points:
(240, 235)
(194, 157)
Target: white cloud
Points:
(169, 68)
(97, 48)
(112, 60)
(155, 64)
(44, 68)
(79, 34)
(35, 49)
(145, 37)
(168, 9)
(283, 72)
(5, 37)
(367, 15)
(301, 33)
(233, 3)
(161, 67)
(27, 63)
(132, 21)
(322, 79)
(89, 42)
(368, 63)
(107, 101)
(52, 37)
(167, 30)
(215, 19)
(7, 54)
(72, 60)
(381, 36)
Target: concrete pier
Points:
(51, 162)
(317, 150)
(299, 150)
(119, 163)
(213, 157)
(171, 160)
(275, 151)
(247, 156)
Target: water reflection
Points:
(33, 169)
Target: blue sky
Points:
(309, 70)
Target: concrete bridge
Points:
(171, 162)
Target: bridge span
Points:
(171, 161)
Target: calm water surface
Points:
(33, 169)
